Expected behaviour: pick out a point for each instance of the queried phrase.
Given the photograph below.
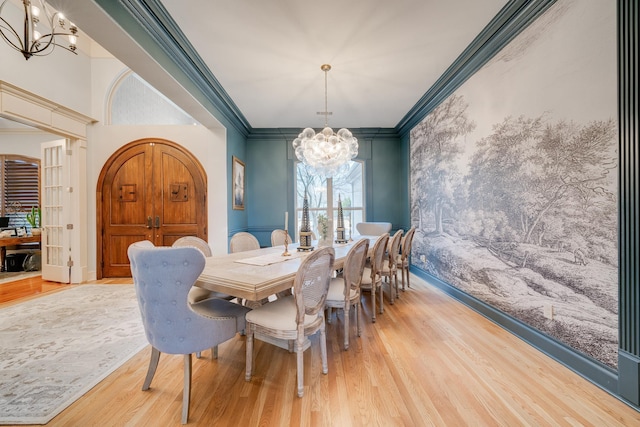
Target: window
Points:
(348, 184)
(19, 187)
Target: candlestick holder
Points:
(286, 244)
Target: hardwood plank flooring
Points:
(427, 361)
(25, 288)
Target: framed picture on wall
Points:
(238, 184)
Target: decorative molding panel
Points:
(629, 223)
(25, 107)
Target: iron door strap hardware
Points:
(149, 222)
(157, 221)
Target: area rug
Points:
(55, 348)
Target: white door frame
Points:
(33, 110)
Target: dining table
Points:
(257, 274)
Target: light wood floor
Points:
(428, 361)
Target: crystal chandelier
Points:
(326, 151)
(37, 41)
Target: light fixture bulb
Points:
(35, 14)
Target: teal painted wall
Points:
(405, 188)
(269, 195)
(270, 178)
(236, 146)
(386, 177)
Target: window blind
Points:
(20, 186)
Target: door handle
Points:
(157, 221)
(149, 222)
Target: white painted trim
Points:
(33, 110)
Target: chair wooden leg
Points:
(214, 352)
(346, 327)
(186, 393)
(153, 365)
(323, 350)
(249, 345)
(373, 303)
(404, 272)
(395, 278)
(408, 280)
(198, 355)
(358, 326)
(300, 365)
(381, 299)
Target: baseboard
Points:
(629, 378)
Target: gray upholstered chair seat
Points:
(385, 266)
(280, 315)
(215, 308)
(373, 228)
(198, 294)
(336, 290)
(366, 278)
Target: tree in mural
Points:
(439, 144)
(501, 169)
(550, 180)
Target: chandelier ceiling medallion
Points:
(325, 151)
(39, 30)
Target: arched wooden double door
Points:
(150, 189)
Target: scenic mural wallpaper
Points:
(514, 180)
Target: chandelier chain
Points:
(326, 97)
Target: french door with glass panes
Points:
(55, 178)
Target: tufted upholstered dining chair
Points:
(404, 260)
(162, 277)
(296, 316)
(389, 269)
(277, 237)
(243, 241)
(371, 278)
(195, 293)
(344, 291)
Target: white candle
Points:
(286, 221)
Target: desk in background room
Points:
(14, 241)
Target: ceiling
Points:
(267, 54)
